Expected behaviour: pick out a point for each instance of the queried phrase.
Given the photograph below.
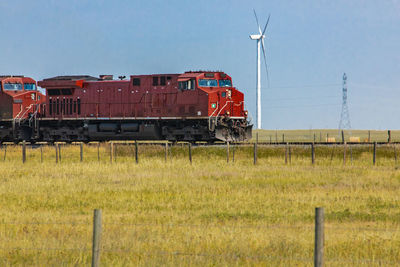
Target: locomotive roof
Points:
(16, 78)
(73, 78)
(2, 77)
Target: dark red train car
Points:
(193, 106)
(19, 103)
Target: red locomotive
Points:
(19, 105)
(193, 106)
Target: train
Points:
(191, 106)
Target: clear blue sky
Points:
(309, 45)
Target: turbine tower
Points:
(260, 39)
(344, 116)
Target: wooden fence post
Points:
(23, 151)
(351, 154)
(286, 153)
(312, 154)
(136, 152)
(96, 238)
(369, 136)
(319, 237)
(166, 151)
(344, 153)
(56, 146)
(283, 138)
(111, 152)
(59, 152)
(374, 155)
(389, 136)
(115, 152)
(41, 153)
(98, 151)
(81, 151)
(342, 136)
(233, 153)
(314, 137)
(227, 152)
(290, 154)
(5, 152)
(190, 152)
(333, 152)
(255, 154)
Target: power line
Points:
(300, 97)
(305, 106)
(299, 86)
(307, 86)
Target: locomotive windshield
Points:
(12, 86)
(208, 83)
(225, 83)
(30, 86)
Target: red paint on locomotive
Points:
(187, 95)
(19, 97)
(193, 106)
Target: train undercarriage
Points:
(87, 130)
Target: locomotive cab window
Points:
(136, 81)
(162, 80)
(186, 85)
(155, 81)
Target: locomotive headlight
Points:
(229, 93)
(227, 113)
(245, 113)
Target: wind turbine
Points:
(260, 39)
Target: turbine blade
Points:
(266, 24)
(265, 59)
(258, 25)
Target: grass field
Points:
(206, 213)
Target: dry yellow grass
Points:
(208, 213)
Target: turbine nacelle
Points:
(257, 36)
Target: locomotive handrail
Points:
(219, 112)
(16, 117)
(34, 114)
(209, 118)
(19, 116)
(23, 114)
(226, 103)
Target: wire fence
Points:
(327, 136)
(119, 240)
(289, 153)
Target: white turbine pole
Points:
(258, 85)
(260, 41)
